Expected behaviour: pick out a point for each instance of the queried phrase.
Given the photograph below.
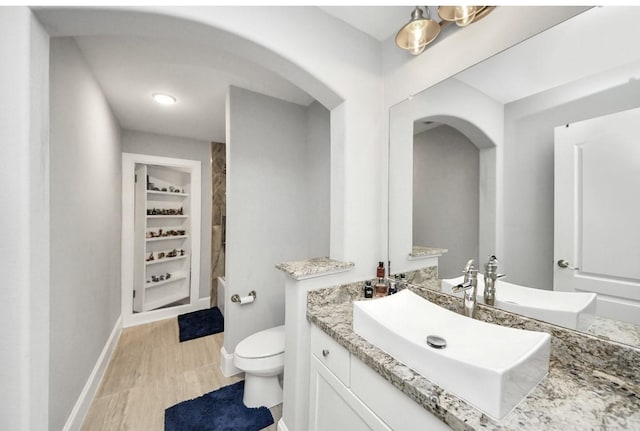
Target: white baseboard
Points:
(282, 426)
(80, 409)
(226, 364)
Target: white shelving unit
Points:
(168, 259)
(171, 237)
(163, 251)
(167, 238)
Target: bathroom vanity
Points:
(591, 384)
(346, 394)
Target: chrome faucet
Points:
(490, 277)
(470, 287)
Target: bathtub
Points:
(222, 287)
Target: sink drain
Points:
(436, 342)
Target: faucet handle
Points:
(469, 267)
(462, 286)
(492, 265)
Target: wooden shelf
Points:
(156, 192)
(165, 259)
(165, 238)
(173, 279)
(167, 216)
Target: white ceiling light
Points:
(164, 99)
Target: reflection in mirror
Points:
(445, 193)
(488, 149)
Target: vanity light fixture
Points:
(419, 31)
(163, 98)
(461, 15)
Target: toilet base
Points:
(261, 391)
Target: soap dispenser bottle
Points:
(381, 287)
(368, 289)
(393, 287)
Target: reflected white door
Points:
(597, 212)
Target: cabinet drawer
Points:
(335, 357)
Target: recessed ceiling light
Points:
(164, 99)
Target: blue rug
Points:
(220, 410)
(200, 323)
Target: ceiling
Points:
(379, 22)
(130, 69)
(531, 66)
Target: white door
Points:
(597, 212)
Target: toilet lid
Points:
(263, 344)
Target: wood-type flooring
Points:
(151, 370)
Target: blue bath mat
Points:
(200, 323)
(220, 410)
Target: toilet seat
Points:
(262, 353)
(261, 357)
(263, 344)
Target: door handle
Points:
(564, 264)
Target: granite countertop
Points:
(615, 330)
(314, 267)
(418, 252)
(592, 383)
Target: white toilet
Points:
(261, 357)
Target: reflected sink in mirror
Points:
(573, 310)
(491, 367)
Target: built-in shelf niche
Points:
(161, 235)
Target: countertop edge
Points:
(315, 267)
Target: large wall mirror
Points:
(532, 156)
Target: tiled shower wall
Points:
(218, 215)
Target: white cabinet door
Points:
(596, 215)
(395, 408)
(333, 407)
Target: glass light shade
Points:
(164, 99)
(461, 15)
(417, 33)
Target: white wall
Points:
(189, 149)
(24, 252)
(85, 226)
(481, 120)
(446, 196)
(318, 173)
(269, 205)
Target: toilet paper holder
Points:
(245, 299)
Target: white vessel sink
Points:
(574, 310)
(491, 367)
